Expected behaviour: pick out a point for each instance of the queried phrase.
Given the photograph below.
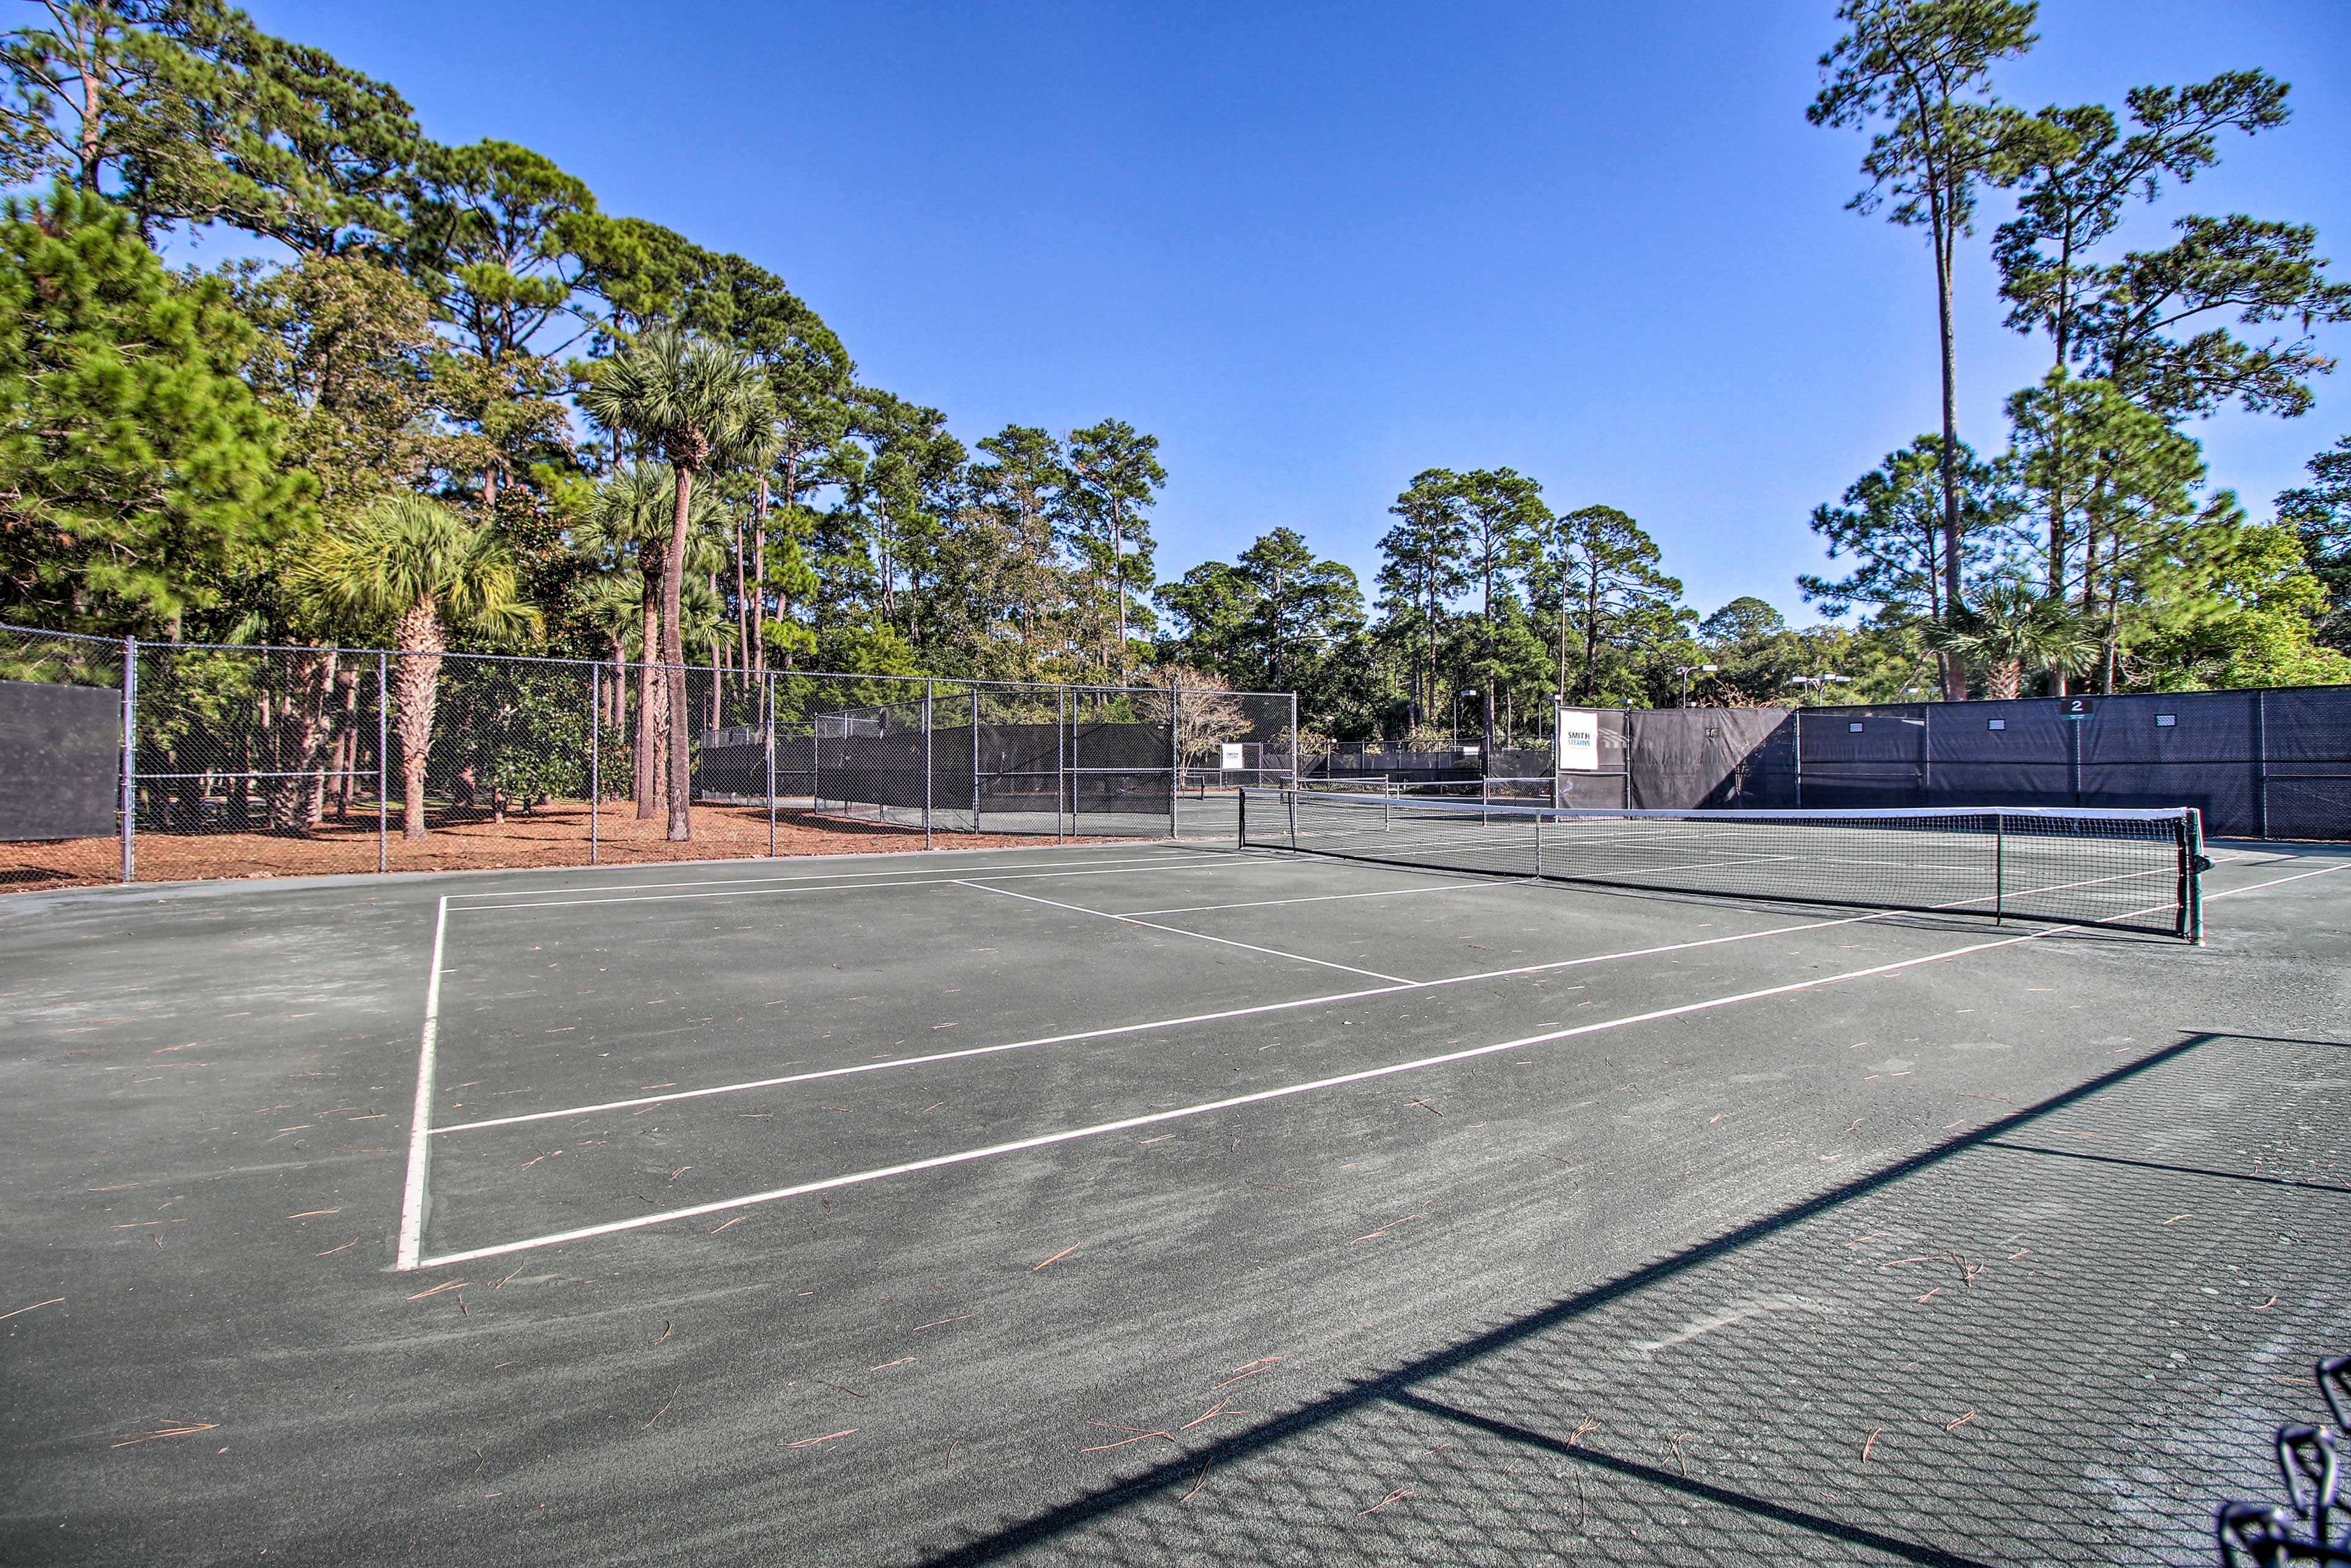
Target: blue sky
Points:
(1317, 248)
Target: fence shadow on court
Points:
(2044, 1339)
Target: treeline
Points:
(187, 454)
(461, 406)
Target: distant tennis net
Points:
(2132, 870)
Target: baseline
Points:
(1139, 868)
(925, 869)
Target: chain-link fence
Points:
(131, 761)
(2271, 764)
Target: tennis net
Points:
(2134, 870)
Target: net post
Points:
(1060, 762)
(382, 762)
(1175, 761)
(927, 685)
(130, 758)
(595, 761)
(2191, 882)
(1999, 865)
(769, 677)
(1292, 793)
(1240, 828)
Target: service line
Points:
(1109, 1032)
(1195, 935)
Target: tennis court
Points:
(1169, 1202)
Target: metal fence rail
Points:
(123, 761)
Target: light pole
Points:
(1486, 729)
(1686, 671)
(1812, 683)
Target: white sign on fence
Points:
(1231, 756)
(1579, 740)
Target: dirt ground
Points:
(554, 835)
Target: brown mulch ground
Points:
(553, 835)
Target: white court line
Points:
(411, 1196)
(967, 1155)
(933, 1058)
(1187, 862)
(969, 1052)
(927, 869)
(1179, 931)
(1317, 898)
(1205, 1107)
(2256, 887)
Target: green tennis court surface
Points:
(1152, 1203)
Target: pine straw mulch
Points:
(553, 835)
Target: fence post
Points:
(382, 763)
(595, 760)
(1293, 771)
(1926, 753)
(2261, 765)
(768, 676)
(1175, 761)
(1796, 744)
(927, 684)
(2074, 754)
(130, 758)
(1061, 763)
(1293, 743)
(975, 758)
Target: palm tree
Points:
(2009, 630)
(702, 406)
(418, 564)
(629, 517)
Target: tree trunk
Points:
(2003, 681)
(645, 781)
(1589, 687)
(742, 611)
(759, 582)
(1955, 680)
(416, 675)
(681, 718)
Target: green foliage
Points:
(411, 557)
(2320, 515)
(139, 472)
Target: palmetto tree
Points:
(2010, 630)
(702, 406)
(630, 521)
(427, 569)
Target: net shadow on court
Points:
(1953, 1360)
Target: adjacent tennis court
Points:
(1156, 1202)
